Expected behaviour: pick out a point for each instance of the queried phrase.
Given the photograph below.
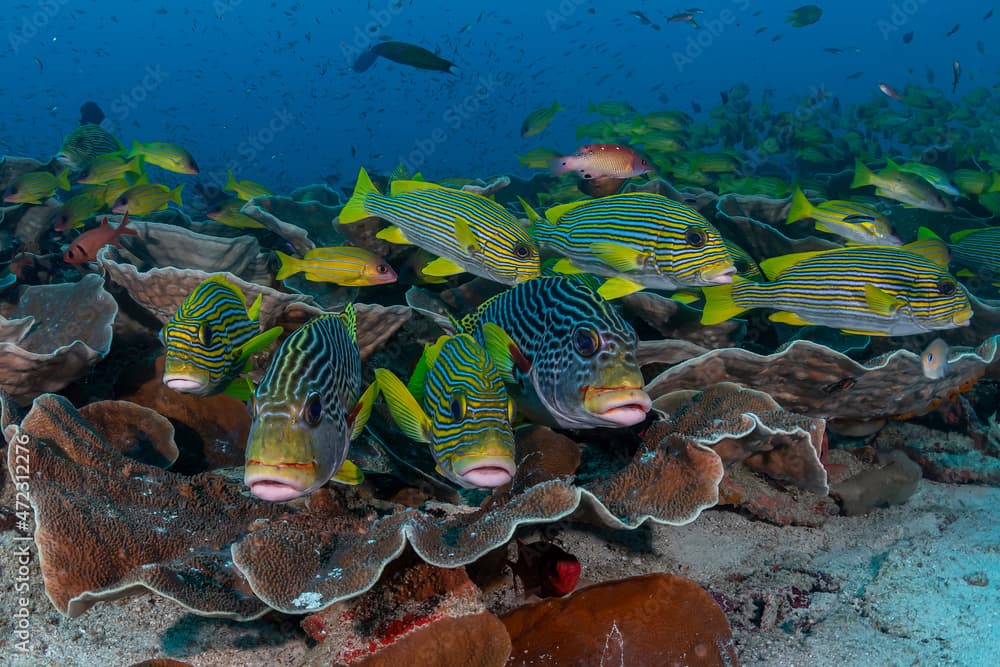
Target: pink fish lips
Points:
(719, 274)
(486, 473)
(622, 406)
(277, 482)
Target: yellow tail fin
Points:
(719, 304)
(801, 208)
(289, 265)
(862, 175)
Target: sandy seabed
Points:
(917, 584)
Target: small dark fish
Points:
(855, 75)
(545, 569)
(908, 37)
(414, 56)
(834, 50)
(839, 385)
(776, 38)
(988, 15)
(364, 61)
(804, 15)
(91, 113)
(38, 61)
(981, 48)
(724, 94)
(695, 107)
(956, 69)
(760, 30)
(953, 30)
(643, 19)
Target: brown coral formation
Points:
(136, 431)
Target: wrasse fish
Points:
(166, 156)
(457, 403)
(146, 198)
(545, 569)
(870, 290)
(639, 239)
(566, 355)
(344, 265)
(245, 190)
(908, 189)
(467, 231)
(849, 220)
(84, 248)
(539, 119)
(602, 161)
(307, 409)
(210, 339)
(35, 187)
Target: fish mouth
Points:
(186, 384)
(963, 318)
(279, 482)
(719, 274)
(622, 406)
(486, 472)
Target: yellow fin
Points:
(348, 473)
(862, 175)
(615, 288)
(880, 301)
(408, 415)
(554, 213)
(965, 273)
(933, 249)
(531, 213)
(258, 343)
(785, 317)
(685, 296)
(618, 256)
(775, 266)
(354, 209)
(393, 234)
(800, 208)
(859, 332)
(465, 237)
(424, 364)
(927, 233)
(719, 304)
(442, 266)
(289, 265)
(363, 409)
(958, 236)
(350, 317)
(504, 352)
(413, 185)
(253, 312)
(240, 388)
(566, 267)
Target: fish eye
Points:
(457, 406)
(946, 287)
(312, 411)
(695, 237)
(381, 268)
(205, 334)
(522, 250)
(586, 341)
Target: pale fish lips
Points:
(962, 318)
(184, 378)
(719, 274)
(279, 482)
(622, 406)
(485, 472)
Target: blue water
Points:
(267, 87)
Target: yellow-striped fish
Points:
(106, 168)
(77, 209)
(35, 187)
(110, 192)
(86, 143)
(210, 338)
(467, 231)
(977, 248)
(307, 409)
(230, 213)
(871, 290)
(166, 156)
(344, 265)
(457, 403)
(539, 119)
(639, 239)
(901, 186)
(245, 190)
(971, 181)
(146, 198)
(846, 219)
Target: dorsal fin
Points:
(933, 249)
(350, 318)
(554, 213)
(775, 266)
(402, 187)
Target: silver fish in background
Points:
(307, 409)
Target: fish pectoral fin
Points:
(618, 256)
(567, 267)
(615, 288)
(358, 417)
(425, 363)
(880, 301)
(465, 237)
(504, 352)
(553, 213)
(785, 317)
(241, 388)
(863, 333)
(348, 473)
(253, 312)
(933, 249)
(258, 343)
(393, 234)
(686, 296)
(773, 267)
(407, 414)
(965, 273)
(442, 267)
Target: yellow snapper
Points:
(210, 339)
(639, 239)
(908, 189)
(871, 290)
(34, 187)
(245, 190)
(849, 220)
(106, 168)
(307, 409)
(166, 156)
(146, 198)
(539, 119)
(469, 232)
(457, 403)
(344, 265)
(76, 210)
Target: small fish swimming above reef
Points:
(539, 119)
(908, 189)
(463, 411)
(567, 356)
(210, 339)
(602, 161)
(467, 231)
(146, 198)
(245, 189)
(307, 409)
(343, 265)
(35, 187)
(934, 359)
(847, 219)
(804, 15)
(84, 248)
(166, 156)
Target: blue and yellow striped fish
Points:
(457, 403)
(871, 290)
(846, 219)
(210, 338)
(86, 143)
(566, 355)
(467, 231)
(972, 248)
(639, 239)
(972, 181)
(307, 409)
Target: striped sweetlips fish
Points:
(307, 409)
(872, 290)
(977, 248)
(566, 355)
(467, 231)
(639, 239)
(457, 403)
(210, 339)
